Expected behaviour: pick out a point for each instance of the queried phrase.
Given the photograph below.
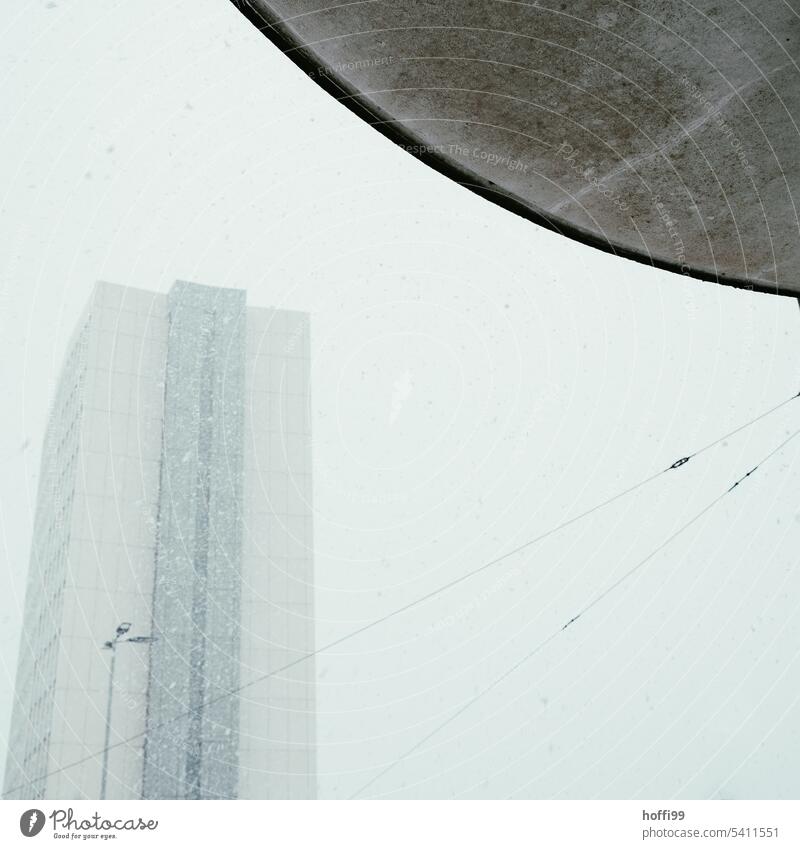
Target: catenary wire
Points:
(595, 601)
(421, 600)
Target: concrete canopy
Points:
(666, 132)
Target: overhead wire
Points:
(432, 594)
(584, 610)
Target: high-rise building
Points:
(174, 504)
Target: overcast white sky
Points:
(476, 381)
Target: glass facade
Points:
(175, 494)
(192, 733)
(36, 671)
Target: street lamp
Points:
(119, 637)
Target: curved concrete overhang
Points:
(664, 132)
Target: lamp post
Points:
(121, 636)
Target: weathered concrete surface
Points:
(665, 131)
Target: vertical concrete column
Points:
(191, 750)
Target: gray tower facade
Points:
(175, 494)
(192, 736)
(48, 597)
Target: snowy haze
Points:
(476, 381)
